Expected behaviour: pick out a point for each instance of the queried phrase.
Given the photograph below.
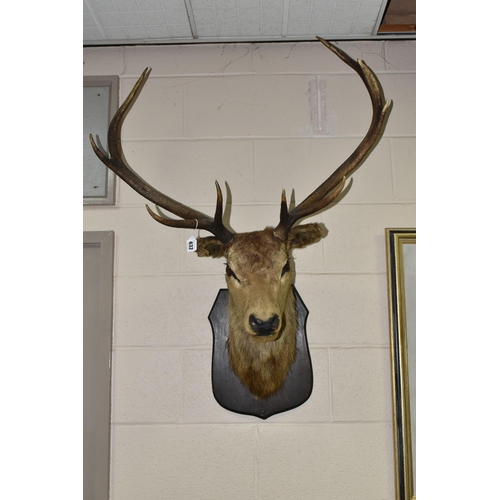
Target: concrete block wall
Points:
(261, 118)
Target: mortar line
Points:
(260, 137)
(208, 347)
(183, 388)
(221, 274)
(330, 384)
(384, 54)
(251, 424)
(254, 163)
(255, 436)
(319, 116)
(196, 76)
(391, 159)
(258, 204)
(184, 110)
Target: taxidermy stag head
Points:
(261, 311)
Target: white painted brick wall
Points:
(245, 115)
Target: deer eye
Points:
(286, 268)
(230, 272)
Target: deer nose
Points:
(263, 328)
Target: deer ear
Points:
(210, 247)
(305, 235)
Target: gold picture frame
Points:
(401, 279)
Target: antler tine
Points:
(190, 218)
(214, 227)
(332, 187)
(284, 208)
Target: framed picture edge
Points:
(400, 379)
(113, 82)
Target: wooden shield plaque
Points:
(232, 394)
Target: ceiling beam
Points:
(190, 14)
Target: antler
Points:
(333, 186)
(190, 218)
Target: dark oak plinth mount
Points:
(232, 394)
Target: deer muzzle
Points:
(264, 328)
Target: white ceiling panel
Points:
(108, 22)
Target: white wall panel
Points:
(244, 113)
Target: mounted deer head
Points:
(262, 315)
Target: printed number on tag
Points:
(191, 244)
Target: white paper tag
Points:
(191, 244)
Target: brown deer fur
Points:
(259, 280)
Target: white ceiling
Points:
(109, 22)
